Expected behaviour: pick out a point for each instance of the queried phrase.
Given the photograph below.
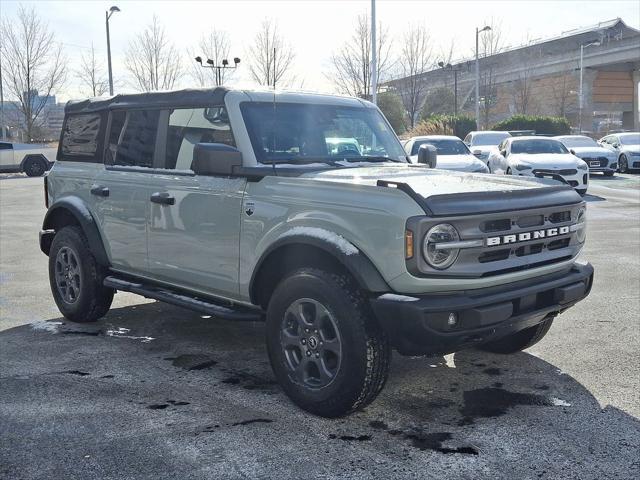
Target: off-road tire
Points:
(366, 354)
(94, 299)
(34, 167)
(519, 340)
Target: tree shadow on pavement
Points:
(155, 391)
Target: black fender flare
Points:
(78, 209)
(357, 264)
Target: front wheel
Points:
(519, 340)
(623, 164)
(76, 278)
(326, 351)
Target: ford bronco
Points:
(238, 205)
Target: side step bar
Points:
(183, 300)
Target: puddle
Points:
(494, 402)
(157, 406)
(350, 438)
(193, 362)
(77, 372)
(434, 441)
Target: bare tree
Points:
(270, 56)
(561, 90)
(522, 92)
(92, 75)
(415, 59)
(215, 46)
(34, 65)
(490, 44)
(352, 63)
(153, 61)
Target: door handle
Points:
(163, 198)
(100, 190)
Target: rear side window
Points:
(132, 138)
(80, 136)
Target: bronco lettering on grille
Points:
(526, 236)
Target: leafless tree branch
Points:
(269, 50)
(215, 46)
(415, 59)
(92, 75)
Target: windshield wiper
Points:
(365, 158)
(297, 161)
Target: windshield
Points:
(630, 139)
(303, 133)
(538, 146)
(573, 142)
(444, 146)
(488, 139)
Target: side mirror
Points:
(427, 154)
(215, 159)
(616, 145)
(572, 151)
(503, 153)
(477, 153)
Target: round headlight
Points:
(581, 224)
(440, 258)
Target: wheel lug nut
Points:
(308, 353)
(317, 355)
(306, 330)
(303, 341)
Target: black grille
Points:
(602, 161)
(496, 225)
(556, 244)
(494, 256)
(635, 165)
(559, 217)
(530, 221)
(557, 172)
(529, 249)
(573, 183)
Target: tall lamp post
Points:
(580, 95)
(374, 52)
(455, 71)
(478, 32)
(107, 16)
(219, 68)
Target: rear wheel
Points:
(623, 164)
(608, 173)
(519, 340)
(34, 167)
(76, 278)
(327, 352)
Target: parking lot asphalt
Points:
(154, 391)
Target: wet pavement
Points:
(155, 391)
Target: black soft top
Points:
(179, 98)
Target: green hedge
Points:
(542, 125)
(458, 125)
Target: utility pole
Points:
(374, 58)
(478, 32)
(3, 134)
(107, 16)
(580, 98)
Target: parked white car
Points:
(453, 154)
(540, 156)
(482, 143)
(31, 159)
(626, 146)
(599, 159)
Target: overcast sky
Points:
(314, 28)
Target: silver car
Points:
(597, 158)
(626, 146)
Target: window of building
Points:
(190, 126)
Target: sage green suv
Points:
(238, 204)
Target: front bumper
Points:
(419, 325)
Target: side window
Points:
(189, 126)
(467, 139)
(80, 135)
(132, 138)
(6, 146)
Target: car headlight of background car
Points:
(522, 166)
(436, 254)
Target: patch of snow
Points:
(43, 325)
(121, 332)
(449, 360)
(397, 298)
(333, 238)
(557, 402)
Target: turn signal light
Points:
(408, 244)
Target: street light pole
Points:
(107, 16)
(580, 98)
(478, 32)
(225, 65)
(374, 58)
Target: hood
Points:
(546, 160)
(427, 181)
(592, 152)
(458, 163)
(444, 193)
(631, 148)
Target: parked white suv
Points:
(482, 144)
(540, 156)
(33, 160)
(453, 154)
